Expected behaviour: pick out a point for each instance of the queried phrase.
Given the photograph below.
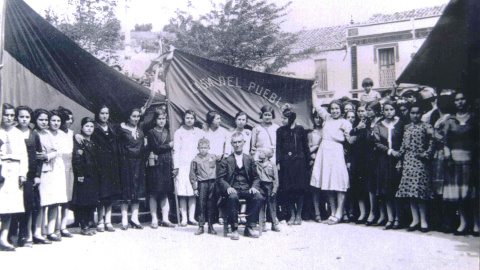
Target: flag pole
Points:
(169, 112)
(3, 7)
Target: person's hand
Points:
(273, 194)
(446, 153)
(41, 156)
(253, 191)
(395, 154)
(175, 172)
(81, 179)
(346, 134)
(231, 190)
(21, 180)
(349, 165)
(361, 125)
(36, 181)
(170, 144)
(196, 192)
(79, 138)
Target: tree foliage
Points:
(143, 27)
(93, 26)
(242, 33)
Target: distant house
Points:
(379, 48)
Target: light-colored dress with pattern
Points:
(415, 182)
(53, 184)
(330, 170)
(185, 143)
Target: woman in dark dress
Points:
(374, 114)
(85, 170)
(292, 156)
(461, 185)
(362, 159)
(31, 196)
(105, 138)
(159, 171)
(131, 146)
(388, 140)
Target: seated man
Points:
(238, 178)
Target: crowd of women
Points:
(373, 162)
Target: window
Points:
(386, 61)
(321, 74)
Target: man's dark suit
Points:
(226, 178)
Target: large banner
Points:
(202, 85)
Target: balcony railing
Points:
(387, 77)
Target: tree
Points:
(242, 33)
(93, 26)
(144, 27)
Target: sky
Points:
(304, 14)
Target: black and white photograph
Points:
(240, 134)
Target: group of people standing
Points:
(362, 160)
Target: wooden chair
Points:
(241, 214)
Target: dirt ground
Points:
(309, 246)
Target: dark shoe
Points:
(135, 225)
(464, 232)
(4, 247)
(361, 221)
(193, 223)
(413, 228)
(275, 228)
(52, 237)
(166, 224)
(211, 230)
(369, 223)
(381, 223)
(475, 234)
(424, 230)
(397, 226)
(389, 225)
(235, 235)
(124, 227)
(41, 241)
(65, 233)
(199, 231)
(109, 227)
(249, 232)
(318, 218)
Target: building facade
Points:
(379, 48)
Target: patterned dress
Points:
(415, 183)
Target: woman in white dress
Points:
(14, 171)
(264, 135)
(185, 142)
(53, 184)
(67, 148)
(330, 170)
